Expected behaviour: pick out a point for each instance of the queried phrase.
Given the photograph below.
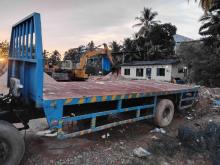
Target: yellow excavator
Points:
(77, 71)
(80, 70)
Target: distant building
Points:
(161, 70)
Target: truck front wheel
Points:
(164, 113)
(12, 145)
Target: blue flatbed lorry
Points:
(32, 96)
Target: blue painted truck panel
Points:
(26, 58)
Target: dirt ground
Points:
(118, 148)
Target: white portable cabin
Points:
(161, 70)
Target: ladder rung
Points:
(187, 106)
(187, 99)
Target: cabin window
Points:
(160, 71)
(127, 72)
(139, 72)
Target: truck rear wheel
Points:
(12, 145)
(164, 113)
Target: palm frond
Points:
(142, 31)
(137, 25)
(205, 26)
(138, 18)
(153, 15)
(205, 18)
(155, 22)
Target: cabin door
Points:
(148, 73)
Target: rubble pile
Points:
(207, 96)
(113, 77)
(202, 140)
(212, 93)
(48, 79)
(109, 77)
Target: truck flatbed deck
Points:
(64, 90)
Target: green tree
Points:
(129, 45)
(162, 40)
(46, 57)
(74, 54)
(130, 50)
(45, 54)
(158, 43)
(4, 49)
(202, 62)
(154, 40)
(55, 58)
(203, 58)
(116, 47)
(146, 21)
(71, 54)
(91, 45)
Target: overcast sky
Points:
(70, 23)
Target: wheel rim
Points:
(3, 151)
(166, 113)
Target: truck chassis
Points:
(92, 100)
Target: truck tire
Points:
(12, 144)
(164, 113)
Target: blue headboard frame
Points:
(26, 58)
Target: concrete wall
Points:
(167, 77)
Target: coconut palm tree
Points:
(146, 21)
